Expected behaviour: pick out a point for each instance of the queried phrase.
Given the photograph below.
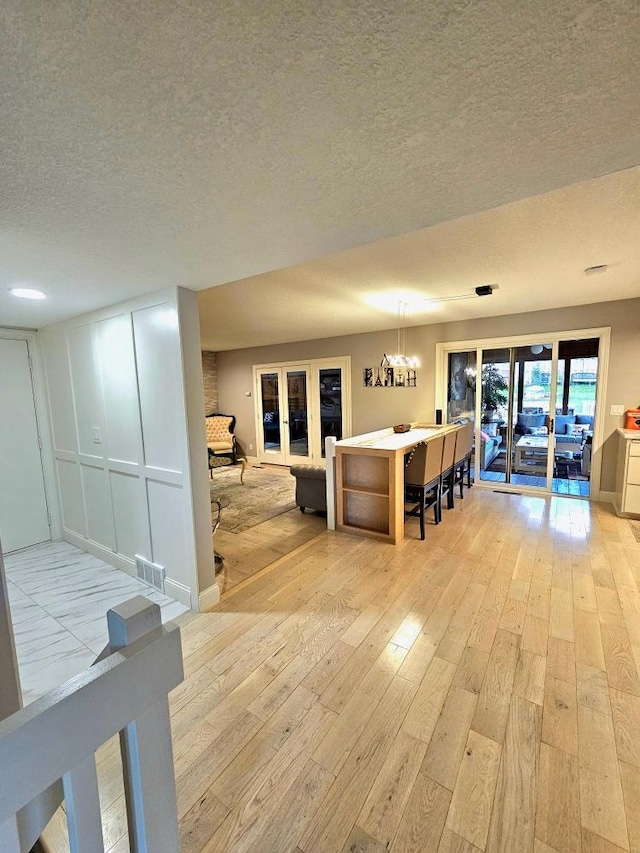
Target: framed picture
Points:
(367, 377)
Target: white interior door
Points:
(24, 518)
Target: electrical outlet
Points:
(251, 447)
(617, 410)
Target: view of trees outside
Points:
(582, 385)
(537, 385)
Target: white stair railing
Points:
(56, 737)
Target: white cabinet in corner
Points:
(628, 473)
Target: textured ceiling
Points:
(535, 250)
(157, 143)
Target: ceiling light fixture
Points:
(400, 359)
(412, 361)
(27, 293)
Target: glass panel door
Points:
(270, 414)
(461, 391)
(578, 364)
(495, 386)
(331, 386)
(535, 405)
(298, 406)
(517, 401)
(297, 422)
(530, 440)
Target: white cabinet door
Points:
(23, 506)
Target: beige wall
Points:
(374, 408)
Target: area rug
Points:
(264, 495)
(635, 529)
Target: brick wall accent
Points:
(210, 379)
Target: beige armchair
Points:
(220, 438)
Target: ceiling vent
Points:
(596, 269)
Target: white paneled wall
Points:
(156, 335)
(120, 389)
(119, 423)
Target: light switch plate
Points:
(617, 410)
(96, 435)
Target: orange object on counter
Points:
(633, 419)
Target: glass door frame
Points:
(554, 338)
(511, 436)
(276, 457)
(313, 367)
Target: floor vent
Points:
(505, 492)
(150, 573)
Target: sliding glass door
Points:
(534, 406)
(517, 399)
(576, 402)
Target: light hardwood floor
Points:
(248, 552)
(475, 691)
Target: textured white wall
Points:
(118, 412)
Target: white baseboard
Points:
(607, 497)
(209, 598)
(252, 460)
(99, 551)
(177, 590)
(172, 588)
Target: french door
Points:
(297, 406)
(533, 401)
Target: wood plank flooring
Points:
(254, 549)
(478, 691)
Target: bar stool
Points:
(422, 480)
(462, 458)
(448, 471)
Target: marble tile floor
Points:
(59, 597)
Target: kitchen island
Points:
(370, 480)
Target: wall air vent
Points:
(150, 573)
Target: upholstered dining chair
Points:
(448, 471)
(422, 480)
(462, 458)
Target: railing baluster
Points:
(150, 789)
(126, 692)
(83, 808)
(147, 754)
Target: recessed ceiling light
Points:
(596, 269)
(27, 293)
